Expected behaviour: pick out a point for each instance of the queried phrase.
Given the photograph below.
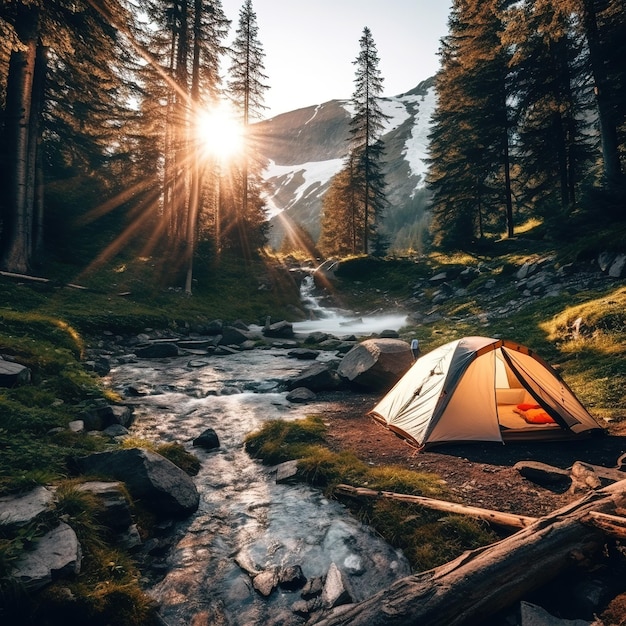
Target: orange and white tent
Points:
(482, 389)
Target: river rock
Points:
(162, 486)
(303, 354)
(281, 330)
(233, 336)
(56, 554)
(291, 578)
(100, 417)
(266, 581)
(157, 350)
(336, 589)
(207, 440)
(317, 377)
(376, 364)
(300, 394)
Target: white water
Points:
(340, 322)
(244, 515)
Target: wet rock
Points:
(389, 334)
(281, 330)
(312, 588)
(232, 335)
(618, 267)
(316, 337)
(317, 377)
(157, 350)
(291, 578)
(266, 582)
(56, 554)
(286, 471)
(208, 440)
(116, 430)
(336, 589)
(303, 354)
(162, 486)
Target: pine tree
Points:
(79, 107)
(246, 87)
(551, 96)
(469, 173)
(366, 126)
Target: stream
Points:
(245, 517)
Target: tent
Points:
(482, 389)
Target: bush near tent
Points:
(482, 389)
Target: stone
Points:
(56, 554)
(282, 330)
(157, 350)
(266, 582)
(303, 354)
(13, 374)
(162, 486)
(533, 615)
(115, 513)
(291, 578)
(101, 416)
(376, 364)
(316, 337)
(618, 267)
(232, 336)
(542, 473)
(208, 440)
(336, 590)
(300, 394)
(115, 430)
(19, 510)
(317, 377)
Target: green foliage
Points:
(427, 538)
(278, 441)
(177, 454)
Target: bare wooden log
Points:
(613, 525)
(508, 520)
(480, 583)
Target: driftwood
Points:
(508, 520)
(480, 583)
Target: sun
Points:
(219, 133)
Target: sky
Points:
(310, 45)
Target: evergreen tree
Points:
(551, 97)
(354, 204)
(469, 173)
(367, 150)
(78, 112)
(246, 87)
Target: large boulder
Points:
(162, 486)
(376, 364)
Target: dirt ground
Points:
(479, 474)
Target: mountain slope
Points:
(307, 147)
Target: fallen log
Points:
(508, 520)
(480, 583)
(613, 525)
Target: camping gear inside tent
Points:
(482, 389)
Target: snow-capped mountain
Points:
(307, 147)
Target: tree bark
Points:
(17, 218)
(480, 583)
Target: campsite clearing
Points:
(479, 474)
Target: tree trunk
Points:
(480, 583)
(16, 245)
(608, 127)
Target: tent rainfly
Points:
(482, 389)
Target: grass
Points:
(427, 538)
(48, 326)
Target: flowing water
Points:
(246, 521)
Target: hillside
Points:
(306, 148)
